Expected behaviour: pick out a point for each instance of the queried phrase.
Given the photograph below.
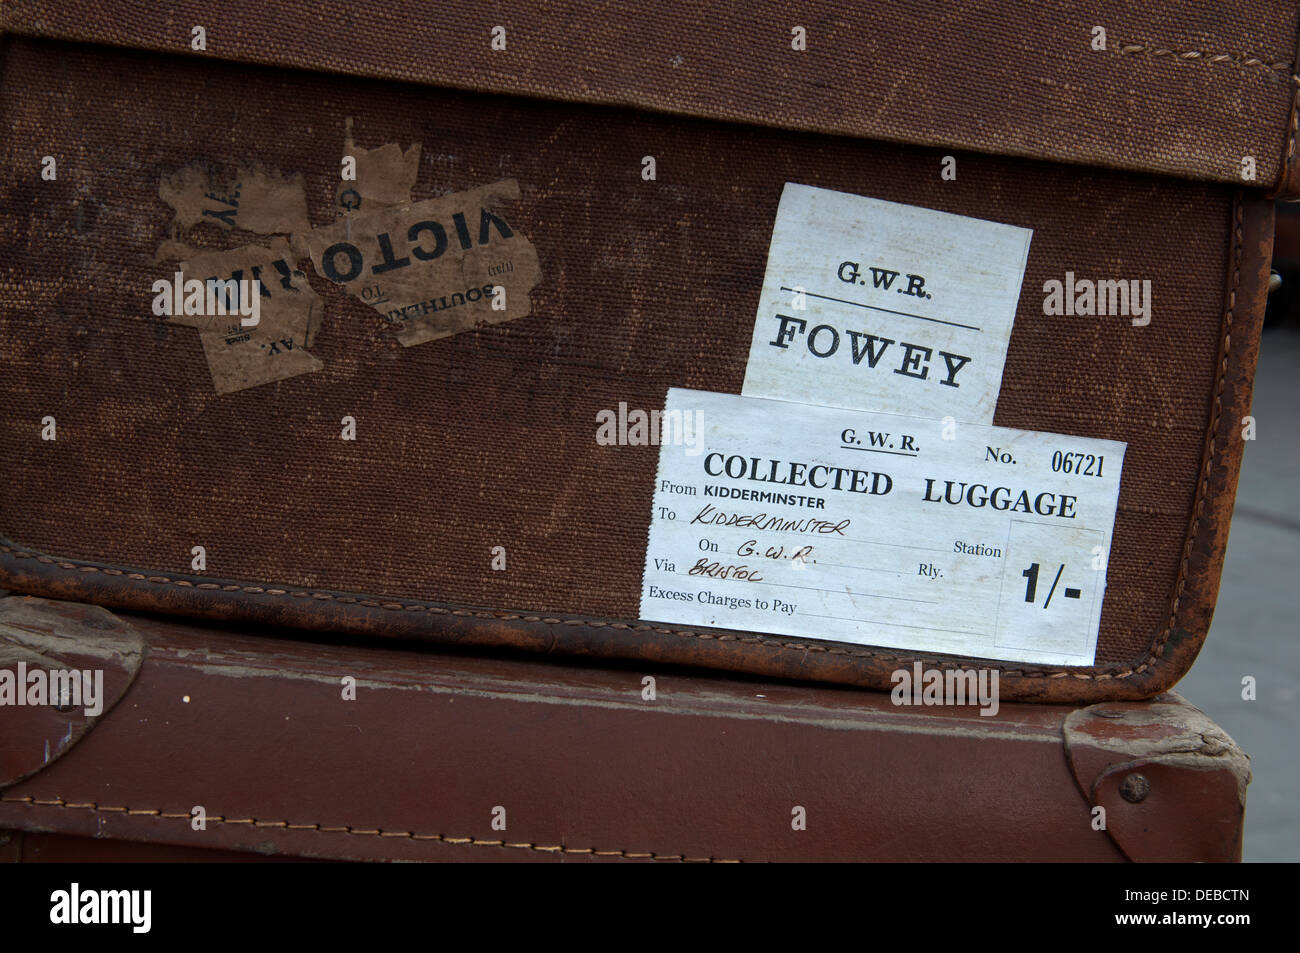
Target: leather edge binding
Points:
(1196, 589)
(377, 616)
(1288, 182)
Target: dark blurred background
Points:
(1284, 303)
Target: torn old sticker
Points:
(253, 198)
(378, 178)
(248, 343)
(436, 267)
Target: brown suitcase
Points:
(1125, 160)
(462, 758)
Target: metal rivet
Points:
(1134, 788)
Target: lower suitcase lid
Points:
(485, 440)
(470, 752)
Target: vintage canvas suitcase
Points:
(464, 758)
(483, 237)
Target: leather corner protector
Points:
(63, 666)
(1171, 781)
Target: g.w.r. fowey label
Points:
(879, 306)
(881, 529)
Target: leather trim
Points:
(1288, 180)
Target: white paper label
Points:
(881, 529)
(878, 306)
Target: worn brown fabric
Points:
(487, 438)
(1184, 89)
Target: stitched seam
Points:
(460, 612)
(1207, 57)
(1157, 649)
(803, 647)
(63, 804)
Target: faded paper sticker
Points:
(287, 315)
(879, 306)
(434, 267)
(382, 178)
(254, 199)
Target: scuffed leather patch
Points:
(63, 665)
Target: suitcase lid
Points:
(1183, 90)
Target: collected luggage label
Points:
(874, 305)
(880, 529)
